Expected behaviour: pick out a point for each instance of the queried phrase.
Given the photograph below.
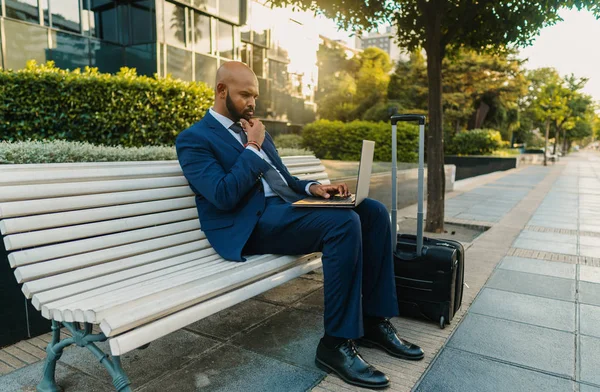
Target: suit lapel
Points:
(223, 132)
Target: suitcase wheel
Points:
(442, 322)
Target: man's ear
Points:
(222, 89)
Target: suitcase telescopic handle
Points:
(408, 117)
(394, 220)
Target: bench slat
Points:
(44, 206)
(137, 337)
(130, 276)
(109, 297)
(72, 218)
(50, 252)
(44, 288)
(69, 233)
(31, 192)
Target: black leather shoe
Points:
(385, 336)
(346, 362)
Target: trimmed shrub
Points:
(475, 142)
(61, 151)
(288, 141)
(44, 102)
(343, 141)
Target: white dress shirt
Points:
(226, 122)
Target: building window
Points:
(179, 63)
(103, 20)
(201, 33)
(175, 27)
(142, 16)
(205, 5)
(65, 15)
(225, 39)
(26, 10)
(69, 51)
(206, 69)
(24, 42)
(230, 10)
(258, 61)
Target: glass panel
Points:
(107, 57)
(261, 19)
(25, 42)
(278, 73)
(258, 61)
(179, 63)
(142, 58)
(174, 24)
(142, 21)
(26, 10)
(225, 40)
(65, 15)
(206, 69)
(206, 5)
(246, 53)
(85, 17)
(201, 33)
(103, 23)
(123, 27)
(230, 10)
(69, 51)
(46, 12)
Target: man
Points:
(244, 195)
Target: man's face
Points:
(241, 101)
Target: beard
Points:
(236, 114)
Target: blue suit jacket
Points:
(226, 179)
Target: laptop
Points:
(362, 184)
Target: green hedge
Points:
(475, 142)
(44, 102)
(343, 141)
(60, 151)
(288, 141)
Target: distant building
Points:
(188, 39)
(383, 41)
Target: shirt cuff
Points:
(308, 187)
(254, 150)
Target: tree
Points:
(440, 27)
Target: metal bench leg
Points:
(53, 353)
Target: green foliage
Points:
(382, 111)
(288, 141)
(343, 141)
(475, 142)
(61, 151)
(45, 102)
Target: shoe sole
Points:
(326, 368)
(371, 344)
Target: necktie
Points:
(271, 176)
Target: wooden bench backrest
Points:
(71, 228)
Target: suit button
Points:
(258, 213)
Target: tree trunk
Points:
(556, 143)
(546, 143)
(436, 178)
(565, 143)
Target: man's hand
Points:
(255, 130)
(326, 191)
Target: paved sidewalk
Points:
(535, 326)
(532, 325)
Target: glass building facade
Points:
(188, 39)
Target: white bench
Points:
(119, 244)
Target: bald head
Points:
(236, 91)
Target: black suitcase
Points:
(429, 273)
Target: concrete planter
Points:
(471, 166)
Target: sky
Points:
(570, 46)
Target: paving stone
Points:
(590, 360)
(458, 371)
(589, 227)
(554, 247)
(550, 237)
(589, 274)
(589, 251)
(233, 320)
(313, 303)
(589, 241)
(25, 380)
(549, 313)
(533, 284)
(315, 275)
(536, 347)
(231, 369)
(589, 293)
(141, 366)
(553, 224)
(540, 267)
(588, 388)
(291, 291)
(589, 320)
(291, 336)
